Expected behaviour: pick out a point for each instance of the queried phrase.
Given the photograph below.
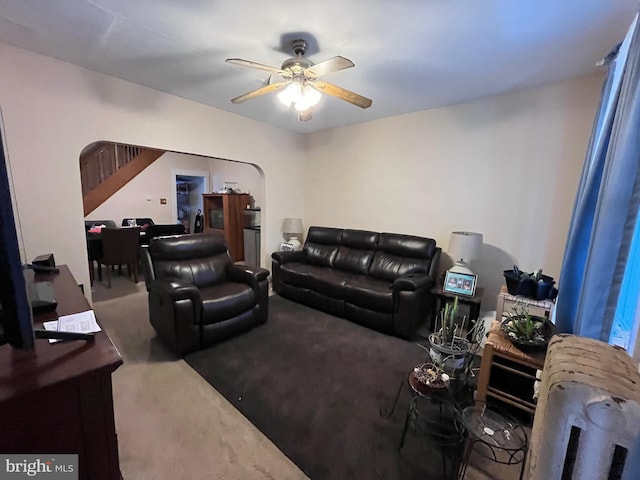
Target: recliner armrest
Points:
(289, 256)
(175, 290)
(413, 281)
(247, 273)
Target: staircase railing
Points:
(102, 160)
(107, 167)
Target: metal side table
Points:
(498, 439)
(434, 412)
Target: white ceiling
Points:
(410, 55)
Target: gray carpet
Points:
(315, 385)
(172, 424)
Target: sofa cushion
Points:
(322, 255)
(353, 260)
(401, 254)
(322, 245)
(225, 300)
(323, 280)
(360, 239)
(369, 292)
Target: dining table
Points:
(94, 249)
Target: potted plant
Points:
(526, 331)
(447, 343)
(534, 285)
(428, 377)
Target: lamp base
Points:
(293, 240)
(461, 267)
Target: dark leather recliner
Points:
(197, 296)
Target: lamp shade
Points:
(292, 226)
(464, 247)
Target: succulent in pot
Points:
(534, 285)
(447, 343)
(429, 376)
(526, 331)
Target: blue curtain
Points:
(606, 207)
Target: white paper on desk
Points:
(83, 322)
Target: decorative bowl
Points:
(543, 331)
(422, 379)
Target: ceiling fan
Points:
(300, 85)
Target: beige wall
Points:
(141, 196)
(52, 110)
(506, 166)
(248, 178)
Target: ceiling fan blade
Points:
(250, 64)
(343, 94)
(332, 65)
(258, 92)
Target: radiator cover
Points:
(587, 421)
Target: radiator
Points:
(587, 420)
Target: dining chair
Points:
(120, 247)
(94, 245)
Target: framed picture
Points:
(286, 247)
(460, 283)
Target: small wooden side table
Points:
(506, 301)
(443, 297)
(506, 370)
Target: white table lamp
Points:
(292, 230)
(463, 248)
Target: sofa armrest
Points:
(280, 258)
(413, 281)
(175, 290)
(413, 302)
(289, 256)
(435, 265)
(247, 274)
(175, 312)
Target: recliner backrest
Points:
(398, 255)
(321, 245)
(382, 255)
(356, 252)
(200, 259)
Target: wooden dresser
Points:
(223, 215)
(57, 397)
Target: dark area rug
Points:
(315, 385)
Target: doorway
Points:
(189, 187)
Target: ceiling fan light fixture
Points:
(298, 83)
(292, 93)
(310, 97)
(299, 94)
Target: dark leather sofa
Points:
(379, 280)
(197, 296)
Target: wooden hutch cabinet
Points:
(223, 214)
